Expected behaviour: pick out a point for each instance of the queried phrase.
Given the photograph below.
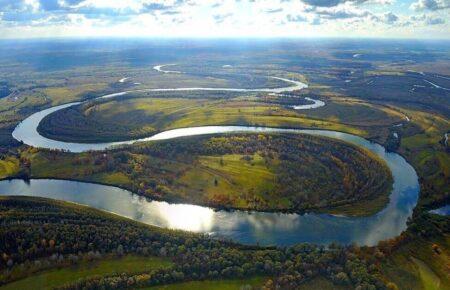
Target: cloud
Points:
(324, 3)
(316, 21)
(355, 15)
(219, 18)
(427, 20)
(430, 5)
(342, 13)
(333, 3)
(390, 18)
(296, 18)
(54, 5)
(171, 12)
(231, 18)
(434, 21)
(156, 6)
(273, 10)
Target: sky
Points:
(418, 19)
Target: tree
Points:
(120, 250)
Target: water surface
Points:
(445, 210)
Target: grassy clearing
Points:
(9, 167)
(430, 280)
(43, 165)
(236, 284)
(60, 95)
(53, 278)
(231, 178)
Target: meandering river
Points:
(27, 132)
(246, 227)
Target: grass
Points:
(64, 166)
(351, 112)
(237, 112)
(320, 283)
(9, 167)
(230, 177)
(361, 208)
(416, 265)
(118, 178)
(45, 166)
(422, 146)
(53, 278)
(430, 281)
(235, 284)
(60, 95)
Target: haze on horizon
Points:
(233, 18)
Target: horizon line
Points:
(250, 37)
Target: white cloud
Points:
(430, 5)
(226, 18)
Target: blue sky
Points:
(233, 18)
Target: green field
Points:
(50, 279)
(355, 113)
(229, 177)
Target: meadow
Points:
(49, 279)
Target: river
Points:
(242, 226)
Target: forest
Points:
(39, 234)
